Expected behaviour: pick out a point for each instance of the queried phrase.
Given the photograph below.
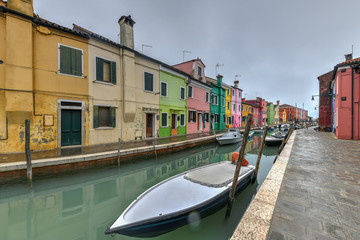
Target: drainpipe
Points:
(353, 67)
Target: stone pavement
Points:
(320, 193)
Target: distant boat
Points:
(232, 136)
(179, 200)
(275, 139)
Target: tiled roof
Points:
(348, 62)
(92, 34)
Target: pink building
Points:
(261, 103)
(198, 101)
(236, 104)
(346, 92)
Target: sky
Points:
(277, 48)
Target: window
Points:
(233, 93)
(223, 102)
(206, 115)
(240, 95)
(199, 71)
(148, 82)
(164, 119)
(104, 116)
(163, 89)
(246, 108)
(207, 97)
(243, 119)
(217, 118)
(105, 70)
(234, 107)
(242, 107)
(224, 119)
(228, 92)
(239, 108)
(182, 93)
(192, 116)
(232, 119)
(182, 119)
(70, 61)
(214, 99)
(228, 105)
(190, 92)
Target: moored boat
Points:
(172, 203)
(232, 136)
(273, 141)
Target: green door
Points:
(70, 127)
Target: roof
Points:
(348, 62)
(94, 35)
(325, 74)
(287, 106)
(251, 104)
(192, 60)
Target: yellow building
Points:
(246, 109)
(277, 114)
(43, 78)
(228, 105)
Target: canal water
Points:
(82, 206)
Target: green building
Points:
(270, 113)
(172, 102)
(217, 104)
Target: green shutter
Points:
(112, 116)
(76, 65)
(96, 116)
(99, 69)
(65, 60)
(113, 72)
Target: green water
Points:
(82, 206)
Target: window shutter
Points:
(99, 69)
(65, 60)
(76, 64)
(96, 116)
(113, 72)
(112, 116)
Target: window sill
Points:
(147, 91)
(103, 82)
(104, 128)
(69, 75)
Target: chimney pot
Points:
(348, 57)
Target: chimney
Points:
(348, 57)
(277, 102)
(219, 80)
(25, 7)
(127, 31)
(236, 84)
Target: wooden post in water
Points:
(238, 165)
(284, 142)
(118, 153)
(155, 150)
(260, 153)
(27, 151)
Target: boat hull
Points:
(273, 141)
(225, 141)
(160, 226)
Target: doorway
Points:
(199, 123)
(150, 125)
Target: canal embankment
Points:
(13, 166)
(311, 192)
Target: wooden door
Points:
(149, 125)
(173, 121)
(70, 127)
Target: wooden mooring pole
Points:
(260, 153)
(284, 142)
(238, 165)
(27, 151)
(118, 153)
(155, 150)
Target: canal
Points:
(81, 206)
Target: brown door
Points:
(149, 125)
(173, 121)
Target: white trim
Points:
(189, 115)
(184, 93)
(103, 82)
(167, 120)
(184, 120)
(153, 91)
(166, 89)
(82, 61)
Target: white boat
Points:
(232, 136)
(180, 200)
(273, 141)
(251, 134)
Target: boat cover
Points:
(217, 175)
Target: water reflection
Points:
(82, 206)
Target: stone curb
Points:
(256, 221)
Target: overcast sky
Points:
(279, 47)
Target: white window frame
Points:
(228, 105)
(207, 94)
(192, 92)
(161, 89)
(182, 125)
(234, 107)
(200, 75)
(233, 92)
(184, 93)
(223, 101)
(176, 121)
(190, 114)
(82, 61)
(239, 107)
(167, 119)
(153, 82)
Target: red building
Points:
(292, 113)
(262, 105)
(325, 101)
(346, 89)
(256, 112)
